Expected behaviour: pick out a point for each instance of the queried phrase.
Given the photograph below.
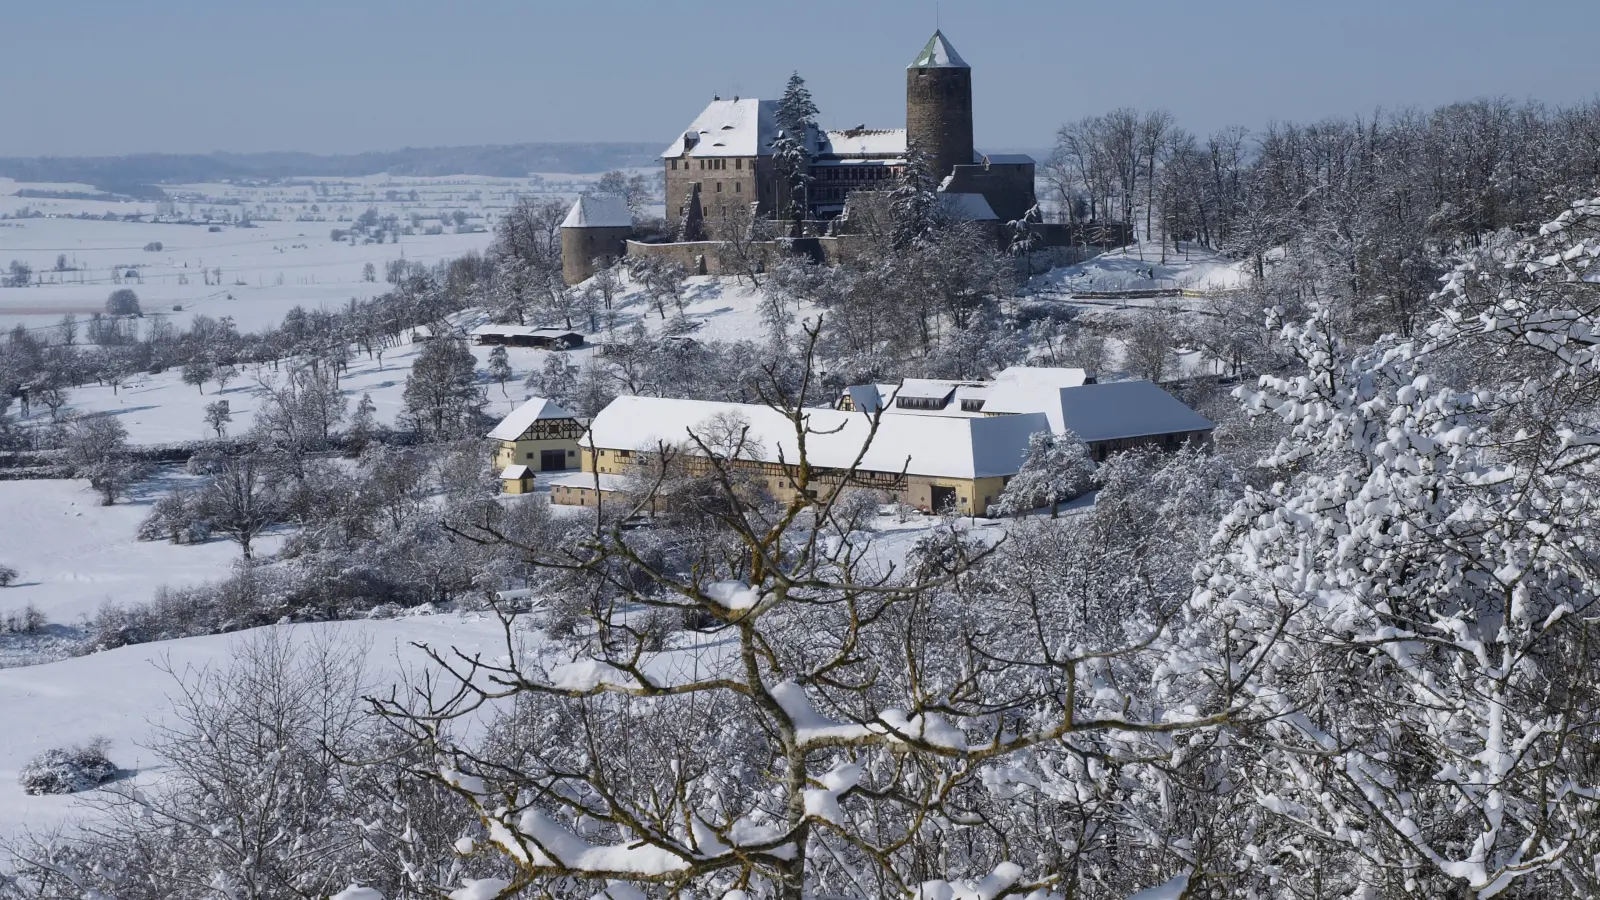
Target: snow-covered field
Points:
(74, 554)
(1140, 268)
(121, 694)
(161, 408)
(286, 258)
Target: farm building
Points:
(929, 462)
(516, 479)
(527, 336)
(539, 435)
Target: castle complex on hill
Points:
(726, 156)
(724, 167)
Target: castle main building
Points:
(725, 159)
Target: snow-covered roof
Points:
(936, 446)
(517, 472)
(1121, 409)
(938, 55)
(926, 389)
(1025, 389)
(867, 398)
(521, 331)
(888, 142)
(735, 127)
(587, 480)
(969, 207)
(523, 417)
(599, 211)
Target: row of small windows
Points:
(710, 164)
(856, 173)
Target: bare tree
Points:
(242, 500)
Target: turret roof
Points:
(938, 55)
(599, 211)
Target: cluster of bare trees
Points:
(1373, 204)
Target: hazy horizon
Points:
(99, 78)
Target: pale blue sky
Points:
(118, 76)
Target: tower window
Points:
(736, 187)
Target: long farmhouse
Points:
(939, 445)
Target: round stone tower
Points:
(939, 105)
(596, 228)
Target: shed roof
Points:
(934, 446)
(1122, 409)
(926, 389)
(970, 207)
(599, 211)
(515, 472)
(938, 54)
(523, 417)
(522, 331)
(1008, 159)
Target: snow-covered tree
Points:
(1431, 575)
(443, 399)
(844, 730)
(1058, 468)
(97, 446)
(500, 367)
(218, 416)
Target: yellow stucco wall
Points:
(530, 453)
(973, 495)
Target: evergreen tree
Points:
(796, 115)
(915, 198)
(796, 110)
(1058, 468)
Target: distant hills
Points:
(135, 174)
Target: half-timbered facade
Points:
(540, 435)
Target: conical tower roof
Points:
(938, 55)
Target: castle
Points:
(725, 158)
(724, 166)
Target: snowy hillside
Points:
(162, 408)
(121, 694)
(1141, 268)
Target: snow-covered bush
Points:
(68, 771)
(8, 575)
(1058, 468)
(176, 517)
(27, 620)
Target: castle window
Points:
(719, 187)
(736, 187)
(738, 164)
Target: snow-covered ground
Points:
(287, 258)
(75, 555)
(120, 695)
(1140, 268)
(161, 408)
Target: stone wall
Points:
(724, 182)
(939, 115)
(580, 247)
(703, 258)
(1007, 186)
